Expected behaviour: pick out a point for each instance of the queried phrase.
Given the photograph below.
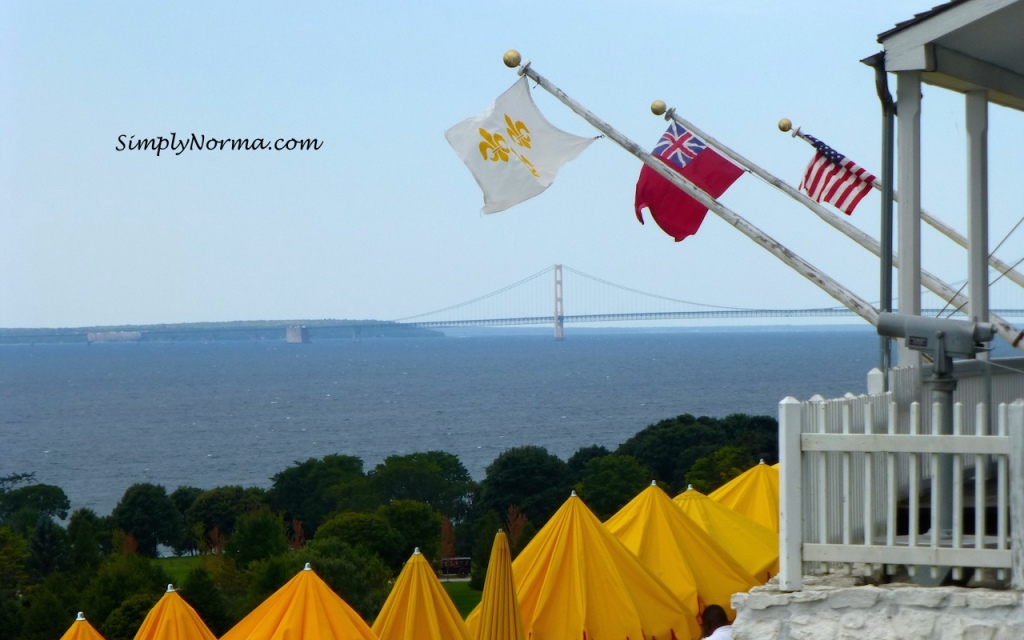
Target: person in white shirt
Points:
(716, 623)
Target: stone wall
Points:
(834, 607)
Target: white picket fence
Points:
(848, 462)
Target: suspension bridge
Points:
(543, 297)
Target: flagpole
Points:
(933, 283)
(846, 297)
(1002, 267)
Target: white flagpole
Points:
(846, 297)
(1002, 267)
(1007, 331)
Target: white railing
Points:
(846, 464)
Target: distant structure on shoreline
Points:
(113, 336)
(296, 334)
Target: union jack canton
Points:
(678, 145)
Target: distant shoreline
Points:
(241, 330)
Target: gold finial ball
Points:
(658, 107)
(785, 124)
(512, 58)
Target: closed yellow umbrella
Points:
(305, 608)
(754, 547)
(499, 617)
(171, 618)
(679, 552)
(418, 607)
(575, 581)
(754, 494)
(80, 629)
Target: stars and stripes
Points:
(678, 146)
(832, 177)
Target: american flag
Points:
(678, 146)
(832, 177)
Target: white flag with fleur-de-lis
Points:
(513, 152)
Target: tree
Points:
(577, 462)
(368, 530)
(85, 534)
(529, 477)
(49, 611)
(419, 525)
(200, 591)
(124, 621)
(610, 482)
(147, 514)
(306, 491)
(183, 497)
(436, 478)
(258, 535)
(22, 508)
(13, 575)
(49, 548)
(487, 527)
(710, 472)
(220, 507)
(119, 578)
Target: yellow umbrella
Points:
(756, 548)
(80, 629)
(679, 552)
(305, 608)
(575, 581)
(499, 617)
(754, 493)
(418, 607)
(173, 619)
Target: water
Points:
(96, 419)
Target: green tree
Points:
(22, 508)
(357, 575)
(119, 578)
(577, 462)
(419, 525)
(529, 477)
(49, 612)
(86, 534)
(307, 491)
(13, 576)
(183, 497)
(220, 507)
(368, 530)
(203, 594)
(146, 513)
(49, 548)
(710, 472)
(436, 478)
(125, 620)
(609, 482)
(258, 535)
(487, 527)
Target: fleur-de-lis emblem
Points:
(495, 148)
(518, 132)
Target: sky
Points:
(383, 221)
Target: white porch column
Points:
(908, 140)
(977, 204)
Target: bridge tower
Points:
(559, 315)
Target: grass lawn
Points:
(465, 599)
(178, 568)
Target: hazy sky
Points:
(383, 221)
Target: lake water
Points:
(96, 419)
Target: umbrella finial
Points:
(170, 588)
(689, 487)
(573, 494)
(307, 567)
(81, 616)
(654, 483)
(415, 551)
(762, 461)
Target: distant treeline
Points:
(355, 526)
(259, 330)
